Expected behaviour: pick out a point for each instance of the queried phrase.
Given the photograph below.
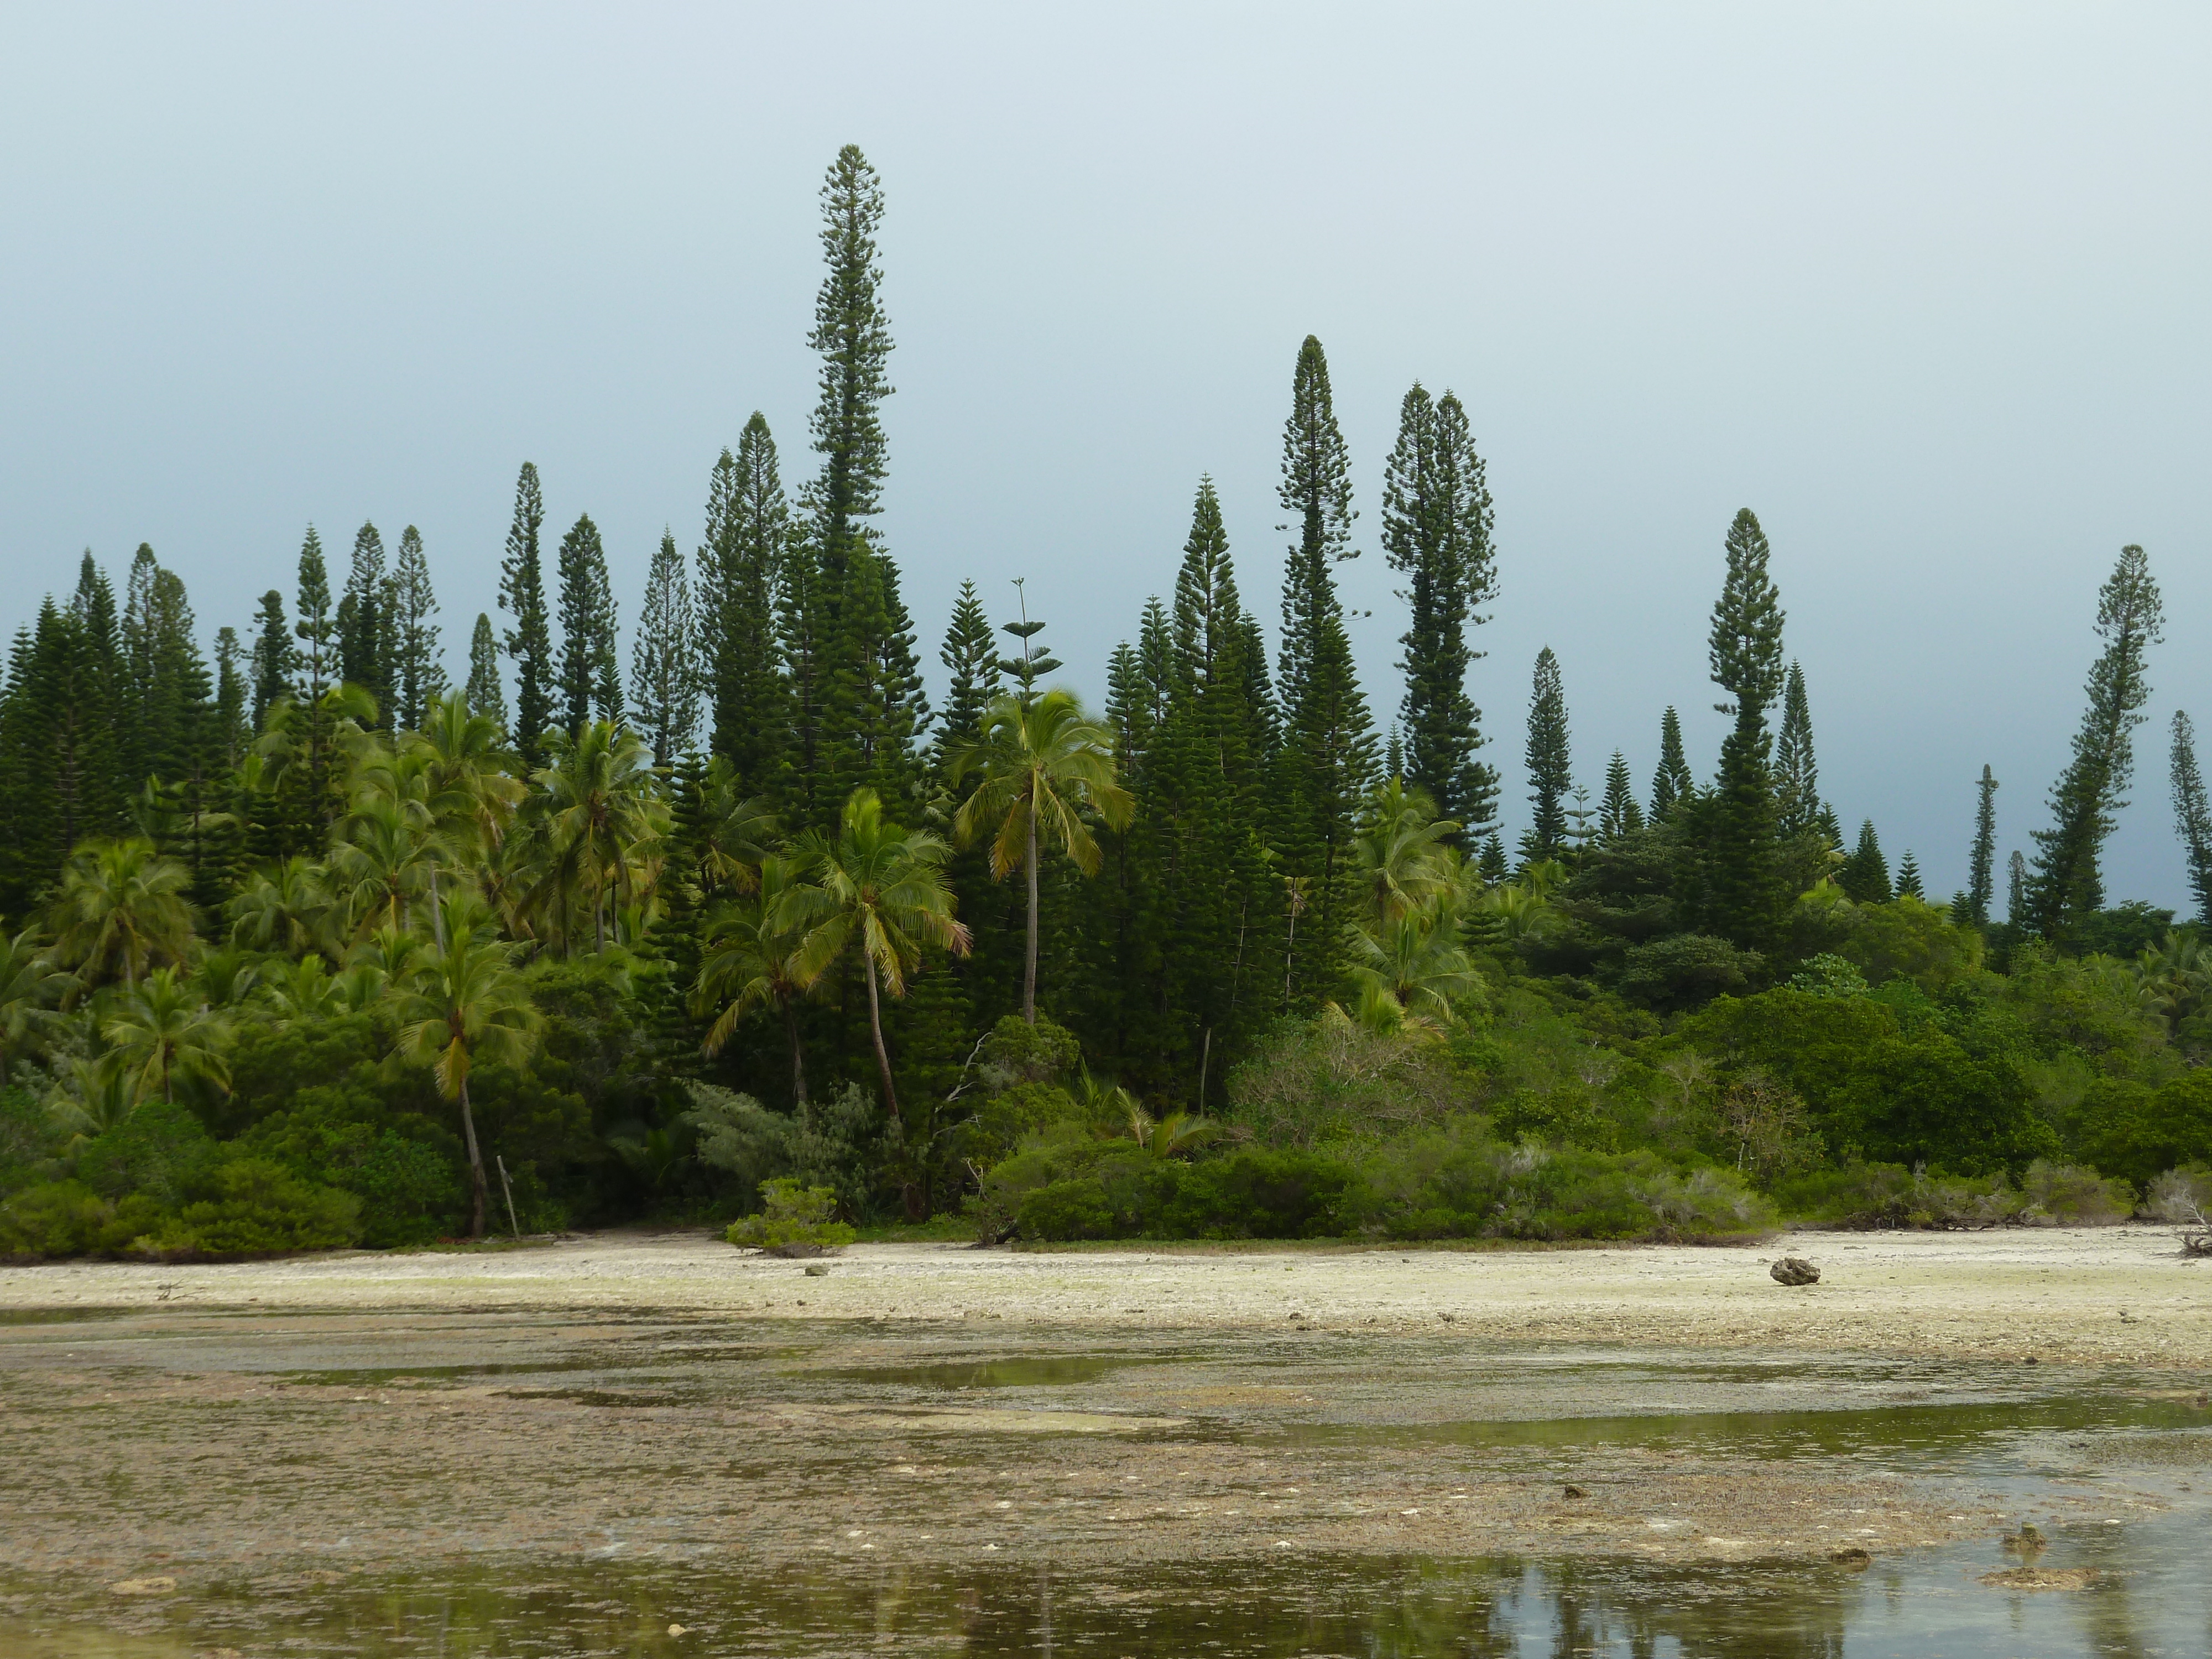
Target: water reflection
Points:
(1931, 1604)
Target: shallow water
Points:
(481, 1483)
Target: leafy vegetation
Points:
(313, 947)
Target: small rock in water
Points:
(1852, 1560)
(817, 1270)
(676, 1630)
(1795, 1270)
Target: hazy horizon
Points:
(1924, 291)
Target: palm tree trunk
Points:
(797, 1053)
(876, 1024)
(1029, 961)
(437, 911)
(476, 1165)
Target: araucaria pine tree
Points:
(1551, 775)
(530, 640)
(1436, 523)
(745, 567)
(1671, 784)
(2192, 815)
(1327, 758)
(2067, 884)
(361, 623)
(1864, 876)
(1796, 774)
(1908, 877)
(971, 657)
(419, 667)
(591, 681)
(1619, 814)
(1981, 863)
(2017, 889)
(316, 628)
(664, 668)
(275, 656)
(484, 692)
(1743, 891)
(858, 639)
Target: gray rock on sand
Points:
(1795, 1270)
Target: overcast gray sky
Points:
(1925, 286)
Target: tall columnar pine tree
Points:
(1328, 753)
(59, 771)
(530, 640)
(1621, 814)
(1864, 876)
(485, 693)
(1796, 774)
(1226, 915)
(1743, 891)
(1437, 524)
(362, 624)
(418, 663)
(2067, 884)
(275, 656)
(664, 669)
(589, 683)
(233, 728)
(1550, 770)
(1981, 862)
(1672, 785)
(859, 640)
(2017, 889)
(2192, 815)
(744, 568)
(317, 628)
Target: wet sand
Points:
(2110, 1295)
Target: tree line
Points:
(804, 878)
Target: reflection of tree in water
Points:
(1748, 1612)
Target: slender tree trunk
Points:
(1029, 961)
(437, 912)
(797, 1053)
(876, 1024)
(476, 1165)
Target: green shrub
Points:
(1067, 1209)
(27, 1140)
(257, 1206)
(1463, 1183)
(794, 1220)
(2182, 1195)
(2067, 1194)
(1685, 971)
(159, 1149)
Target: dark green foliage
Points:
(1620, 815)
(2068, 882)
(589, 683)
(1796, 774)
(747, 570)
(1437, 524)
(530, 640)
(971, 657)
(1864, 876)
(2192, 815)
(1742, 892)
(1981, 877)
(364, 622)
(1550, 772)
(1126, 1193)
(1671, 785)
(1327, 759)
(1687, 970)
(664, 675)
(485, 693)
(1908, 877)
(275, 656)
(418, 672)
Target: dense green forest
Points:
(308, 943)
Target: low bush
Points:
(256, 1206)
(1127, 1192)
(1891, 1196)
(794, 1220)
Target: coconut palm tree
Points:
(285, 908)
(603, 810)
(302, 990)
(91, 1097)
(162, 1030)
(749, 960)
(30, 991)
(468, 1004)
(1415, 958)
(1399, 849)
(1042, 765)
(121, 910)
(878, 889)
(383, 861)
